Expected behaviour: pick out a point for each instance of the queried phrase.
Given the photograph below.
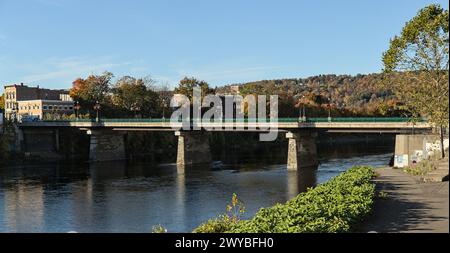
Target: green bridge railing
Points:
(281, 120)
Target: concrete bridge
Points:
(107, 135)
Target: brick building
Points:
(20, 93)
(40, 108)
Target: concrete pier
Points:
(193, 148)
(106, 146)
(302, 150)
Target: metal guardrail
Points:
(282, 120)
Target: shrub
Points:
(421, 168)
(221, 224)
(159, 229)
(225, 221)
(335, 206)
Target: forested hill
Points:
(360, 95)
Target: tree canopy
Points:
(126, 97)
(359, 95)
(2, 102)
(421, 53)
(187, 85)
(136, 95)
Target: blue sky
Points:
(52, 42)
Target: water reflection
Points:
(121, 197)
(300, 181)
(16, 214)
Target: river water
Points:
(119, 197)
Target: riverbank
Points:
(337, 206)
(407, 205)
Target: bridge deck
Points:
(336, 124)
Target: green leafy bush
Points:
(159, 229)
(421, 168)
(335, 206)
(225, 221)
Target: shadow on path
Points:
(408, 205)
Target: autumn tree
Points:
(421, 54)
(93, 89)
(165, 94)
(187, 85)
(2, 102)
(136, 96)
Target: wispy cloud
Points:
(69, 68)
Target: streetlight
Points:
(329, 112)
(300, 117)
(304, 109)
(77, 107)
(389, 112)
(164, 107)
(135, 109)
(97, 108)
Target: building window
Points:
(45, 107)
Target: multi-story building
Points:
(20, 93)
(40, 108)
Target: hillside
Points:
(360, 95)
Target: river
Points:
(119, 197)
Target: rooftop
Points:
(46, 100)
(31, 87)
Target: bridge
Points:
(107, 142)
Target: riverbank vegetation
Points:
(427, 165)
(421, 168)
(335, 206)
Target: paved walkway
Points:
(410, 206)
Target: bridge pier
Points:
(19, 140)
(42, 143)
(302, 150)
(193, 148)
(106, 146)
